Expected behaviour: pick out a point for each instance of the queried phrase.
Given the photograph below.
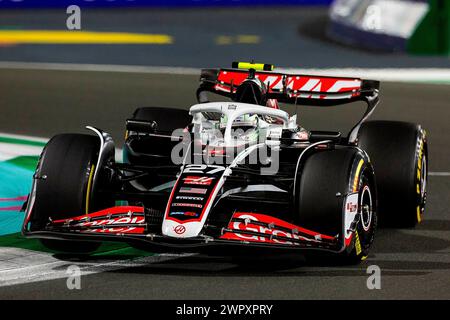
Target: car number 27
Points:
(203, 168)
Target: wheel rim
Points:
(366, 208)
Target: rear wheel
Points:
(166, 119)
(154, 147)
(64, 188)
(143, 149)
(399, 154)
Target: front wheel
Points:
(364, 231)
(63, 188)
(336, 195)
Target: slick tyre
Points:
(322, 185)
(364, 233)
(63, 190)
(156, 149)
(167, 119)
(399, 154)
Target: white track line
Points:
(440, 75)
(10, 151)
(19, 266)
(7, 152)
(23, 137)
(98, 68)
(439, 174)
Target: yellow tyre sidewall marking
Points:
(357, 244)
(89, 187)
(356, 180)
(419, 176)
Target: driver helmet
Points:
(252, 91)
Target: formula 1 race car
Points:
(234, 174)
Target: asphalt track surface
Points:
(415, 264)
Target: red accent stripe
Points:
(21, 198)
(127, 230)
(209, 199)
(13, 208)
(112, 210)
(169, 203)
(349, 240)
(277, 222)
(295, 82)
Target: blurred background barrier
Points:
(194, 37)
(432, 35)
(158, 3)
(419, 27)
(415, 26)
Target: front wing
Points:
(129, 224)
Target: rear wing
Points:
(290, 88)
(295, 89)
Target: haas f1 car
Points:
(234, 174)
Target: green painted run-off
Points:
(432, 35)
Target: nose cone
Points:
(191, 200)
